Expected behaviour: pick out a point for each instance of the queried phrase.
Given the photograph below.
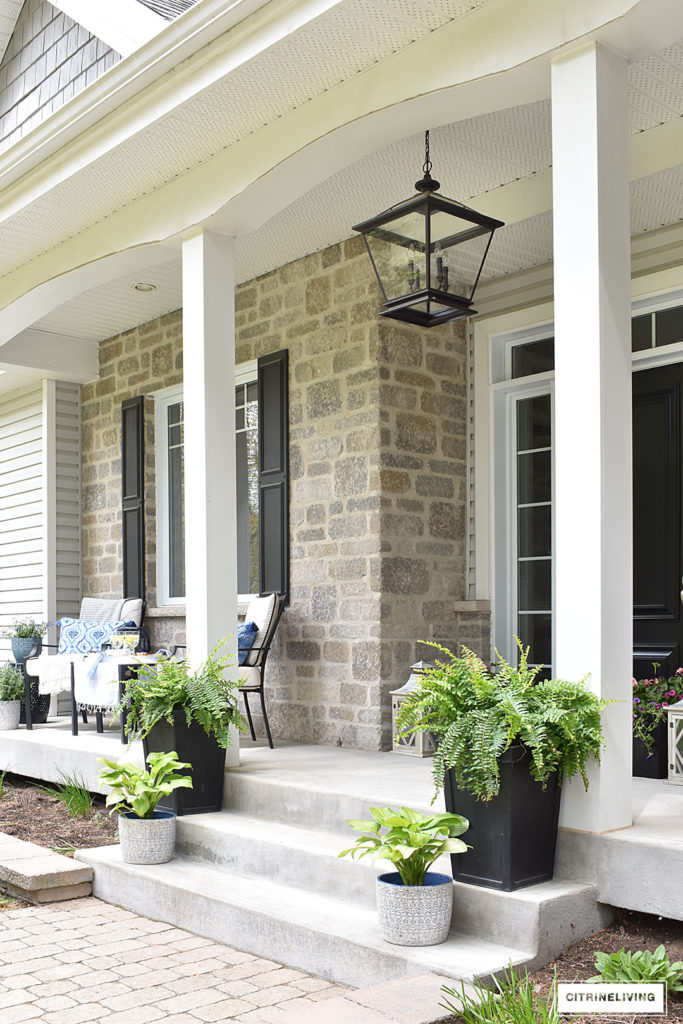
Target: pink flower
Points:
(679, 671)
(671, 693)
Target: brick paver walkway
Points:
(85, 961)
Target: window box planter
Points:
(503, 856)
(201, 751)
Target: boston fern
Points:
(476, 714)
(204, 694)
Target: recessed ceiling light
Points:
(143, 286)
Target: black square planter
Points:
(656, 766)
(207, 758)
(513, 836)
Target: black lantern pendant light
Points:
(428, 253)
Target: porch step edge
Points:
(326, 936)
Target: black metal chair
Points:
(255, 664)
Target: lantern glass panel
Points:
(398, 252)
(458, 248)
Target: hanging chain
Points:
(427, 166)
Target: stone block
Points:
(323, 399)
(415, 433)
(435, 486)
(445, 520)
(324, 603)
(303, 650)
(351, 475)
(404, 575)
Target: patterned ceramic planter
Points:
(147, 840)
(415, 915)
(24, 647)
(9, 714)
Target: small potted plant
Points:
(504, 741)
(26, 636)
(174, 707)
(651, 699)
(146, 834)
(11, 693)
(414, 904)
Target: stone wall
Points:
(377, 488)
(141, 361)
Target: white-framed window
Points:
(170, 480)
(169, 444)
(514, 365)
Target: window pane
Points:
(252, 391)
(533, 423)
(669, 326)
(533, 531)
(535, 631)
(533, 478)
(641, 333)
(535, 586)
(534, 357)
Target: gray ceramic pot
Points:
(147, 840)
(415, 915)
(9, 714)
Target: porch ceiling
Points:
(500, 161)
(473, 159)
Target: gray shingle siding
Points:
(48, 60)
(168, 9)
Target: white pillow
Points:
(261, 612)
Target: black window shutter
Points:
(273, 405)
(133, 496)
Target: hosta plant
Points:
(640, 966)
(137, 791)
(204, 695)
(410, 840)
(477, 713)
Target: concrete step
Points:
(631, 867)
(38, 875)
(324, 800)
(334, 938)
(542, 919)
(287, 854)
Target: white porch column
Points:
(593, 446)
(208, 394)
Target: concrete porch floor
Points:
(629, 867)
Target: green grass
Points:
(510, 1000)
(73, 793)
(2, 783)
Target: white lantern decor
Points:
(675, 713)
(417, 744)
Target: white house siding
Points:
(48, 60)
(68, 499)
(21, 506)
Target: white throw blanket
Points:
(54, 672)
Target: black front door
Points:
(657, 548)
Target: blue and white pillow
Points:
(79, 636)
(246, 634)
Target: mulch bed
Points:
(630, 931)
(29, 814)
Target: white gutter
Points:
(182, 53)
